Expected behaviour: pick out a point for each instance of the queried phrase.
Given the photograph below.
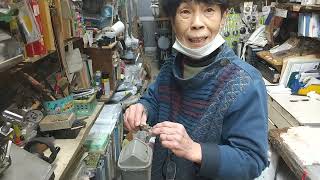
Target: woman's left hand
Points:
(175, 137)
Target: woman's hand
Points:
(175, 137)
(135, 116)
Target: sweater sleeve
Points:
(243, 151)
(150, 102)
(150, 99)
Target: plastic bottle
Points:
(106, 83)
(97, 79)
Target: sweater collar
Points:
(205, 61)
(198, 80)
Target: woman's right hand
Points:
(135, 116)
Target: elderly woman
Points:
(207, 107)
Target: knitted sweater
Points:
(223, 108)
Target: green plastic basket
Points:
(85, 107)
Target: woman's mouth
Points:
(198, 40)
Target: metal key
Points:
(146, 128)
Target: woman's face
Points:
(196, 24)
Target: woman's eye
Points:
(210, 10)
(185, 11)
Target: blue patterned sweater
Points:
(223, 107)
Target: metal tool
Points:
(5, 146)
(6, 129)
(12, 116)
(147, 128)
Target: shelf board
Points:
(6, 64)
(37, 58)
(110, 46)
(105, 98)
(298, 7)
(71, 147)
(74, 39)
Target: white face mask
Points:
(199, 53)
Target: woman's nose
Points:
(197, 22)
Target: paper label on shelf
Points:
(281, 13)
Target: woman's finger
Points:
(144, 118)
(172, 145)
(138, 115)
(165, 130)
(126, 123)
(167, 124)
(131, 117)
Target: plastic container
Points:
(97, 78)
(106, 83)
(70, 133)
(135, 161)
(85, 107)
(60, 106)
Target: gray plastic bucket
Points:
(135, 161)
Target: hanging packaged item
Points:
(309, 25)
(27, 23)
(47, 32)
(231, 30)
(36, 48)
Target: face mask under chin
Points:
(198, 53)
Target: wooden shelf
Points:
(71, 147)
(110, 46)
(298, 7)
(105, 98)
(6, 64)
(74, 39)
(37, 58)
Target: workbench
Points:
(286, 110)
(71, 148)
(311, 172)
(285, 113)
